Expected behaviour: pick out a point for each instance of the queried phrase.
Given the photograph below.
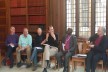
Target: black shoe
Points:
(28, 66)
(11, 66)
(48, 66)
(19, 64)
(45, 70)
(65, 70)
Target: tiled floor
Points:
(39, 69)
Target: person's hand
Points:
(88, 42)
(91, 46)
(53, 35)
(11, 44)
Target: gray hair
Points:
(103, 29)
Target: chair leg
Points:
(55, 63)
(69, 67)
(72, 66)
(102, 67)
(84, 67)
(58, 66)
(105, 67)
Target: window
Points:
(100, 14)
(85, 7)
(85, 18)
(70, 9)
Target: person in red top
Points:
(69, 44)
(98, 45)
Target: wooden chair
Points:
(102, 64)
(54, 60)
(85, 49)
(75, 59)
(82, 46)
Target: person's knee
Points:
(58, 55)
(67, 56)
(17, 49)
(90, 54)
(46, 47)
(95, 59)
(35, 50)
(28, 49)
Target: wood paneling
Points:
(107, 17)
(92, 17)
(3, 24)
(56, 16)
(21, 14)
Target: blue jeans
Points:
(34, 55)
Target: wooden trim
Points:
(107, 17)
(27, 22)
(8, 20)
(47, 9)
(92, 17)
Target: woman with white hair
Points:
(98, 45)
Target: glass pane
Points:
(70, 6)
(85, 18)
(100, 14)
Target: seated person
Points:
(98, 45)
(11, 44)
(25, 44)
(69, 44)
(51, 48)
(37, 46)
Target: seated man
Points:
(37, 46)
(11, 43)
(98, 45)
(69, 44)
(51, 47)
(25, 44)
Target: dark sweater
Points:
(101, 48)
(38, 39)
(53, 42)
(12, 39)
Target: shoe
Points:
(34, 68)
(19, 64)
(28, 66)
(11, 66)
(48, 66)
(65, 70)
(45, 70)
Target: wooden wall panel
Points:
(37, 20)
(56, 16)
(36, 11)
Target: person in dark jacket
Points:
(98, 45)
(37, 46)
(11, 44)
(69, 45)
